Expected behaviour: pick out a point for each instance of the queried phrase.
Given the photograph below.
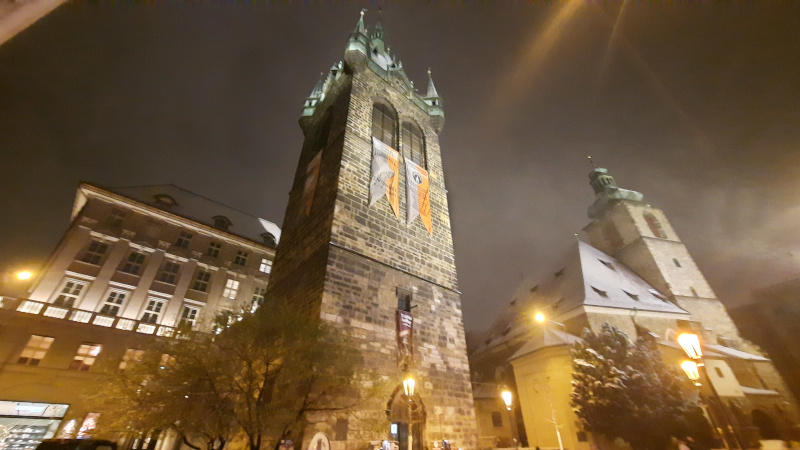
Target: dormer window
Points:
(222, 223)
(268, 239)
(165, 200)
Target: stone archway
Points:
(407, 417)
(765, 424)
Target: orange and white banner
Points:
(418, 195)
(385, 177)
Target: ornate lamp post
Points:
(408, 388)
(690, 343)
(508, 399)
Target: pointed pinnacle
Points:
(431, 88)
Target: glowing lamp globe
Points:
(690, 343)
(508, 397)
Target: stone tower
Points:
(641, 237)
(367, 246)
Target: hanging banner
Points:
(405, 334)
(418, 195)
(385, 179)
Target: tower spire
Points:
(431, 88)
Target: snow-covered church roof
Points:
(588, 277)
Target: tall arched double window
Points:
(413, 143)
(383, 124)
(655, 225)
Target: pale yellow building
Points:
(635, 274)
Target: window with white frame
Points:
(70, 293)
(184, 239)
(133, 265)
(132, 355)
(258, 298)
(94, 254)
(266, 265)
(153, 310)
(231, 286)
(86, 356)
(169, 272)
(116, 217)
(114, 301)
(35, 350)
(201, 280)
(189, 316)
(213, 249)
(241, 258)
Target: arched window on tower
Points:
(383, 123)
(655, 225)
(413, 144)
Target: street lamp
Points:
(24, 275)
(690, 342)
(541, 318)
(508, 399)
(408, 388)
(692, 371)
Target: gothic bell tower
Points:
(367, 246)
(641, 237)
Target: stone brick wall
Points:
(344, 261)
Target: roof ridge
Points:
(183, 189)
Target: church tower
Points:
(641, 237)
(367, 246)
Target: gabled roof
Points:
(547, 338)
(611, 284)
(199, 209)
(588, 277)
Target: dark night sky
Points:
(695, 105)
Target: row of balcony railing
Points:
(45, 309)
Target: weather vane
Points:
(591, 162)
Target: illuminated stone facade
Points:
(348, 263)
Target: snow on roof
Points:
(735, 353)
(200, 209)
(587, 277)
(547, 338)
(756, 391)
(609, 283)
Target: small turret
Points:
(606, 191)
(316, 96)
(357, 43)
(434, 102)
